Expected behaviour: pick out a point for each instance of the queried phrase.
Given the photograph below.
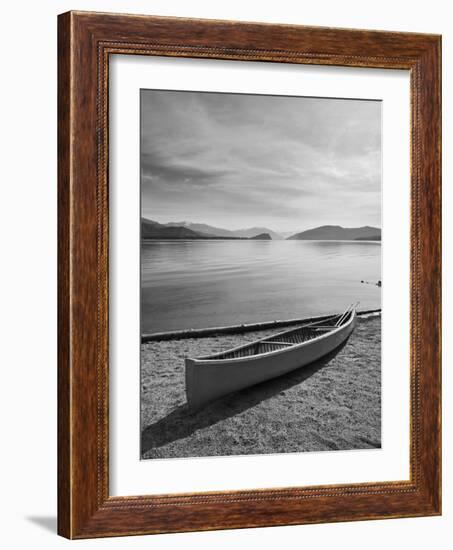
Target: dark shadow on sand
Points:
(181, 422)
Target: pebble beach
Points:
(333, 404)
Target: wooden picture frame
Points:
(85, 42)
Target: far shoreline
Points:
(163, 239)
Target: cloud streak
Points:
(241, 160)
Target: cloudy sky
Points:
(236, 161)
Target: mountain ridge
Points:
(151, 229)
(187, 230)
(247, 232)
(262, 237)
(338, 233)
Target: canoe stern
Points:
(190, 382)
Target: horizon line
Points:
(262, 226)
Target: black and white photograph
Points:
(225, 283)
(260, 274)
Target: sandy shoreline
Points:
(334, 404)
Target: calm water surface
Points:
(195, 284)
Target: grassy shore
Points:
(333, 404)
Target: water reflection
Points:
(210, 283)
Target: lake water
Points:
(196, 284)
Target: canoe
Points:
(213, 376)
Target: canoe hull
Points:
(209, 379)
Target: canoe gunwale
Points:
(215, 360)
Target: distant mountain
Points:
(262, 237)
(338, 233)
(155, 230)
(254, 231)
(219, 232)
(187, 230)
(203, 228)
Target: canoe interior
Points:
(286, 339)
